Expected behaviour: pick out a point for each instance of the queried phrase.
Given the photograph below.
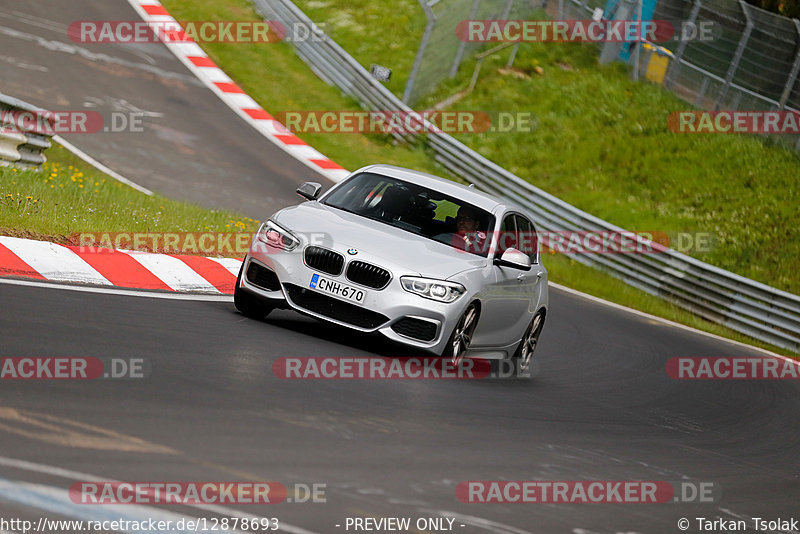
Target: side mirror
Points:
(515, 259)
(309, 190)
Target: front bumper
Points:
(284, 278)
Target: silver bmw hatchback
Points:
(422, 260)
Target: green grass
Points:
(68, 196)
(601, 143)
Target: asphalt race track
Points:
(600, 408)
(194, 147)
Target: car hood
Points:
(391, 247)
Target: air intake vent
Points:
(324, 260)
(368, 275)
(262, 277)
(334, 308)
(415, 328)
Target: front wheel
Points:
(247, 303)
(523, 358)
(461, 338)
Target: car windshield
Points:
(416, 209)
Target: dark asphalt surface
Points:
(602, 406)
(192, 148)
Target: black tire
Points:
(523, 357)
(460, 339)
(248, 304)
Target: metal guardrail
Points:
(750, 307)
(25, 149)
(756, 69)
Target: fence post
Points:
(787, 90)
(639, 41)
(678, 55)
(421, 52)
(512, 56)
(701, 94)
(463, 44)
(737, 57)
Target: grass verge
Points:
(68, 196)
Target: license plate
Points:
(337, 289)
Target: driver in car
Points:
(467, 236)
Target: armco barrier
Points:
(24, 149)
(755, 309)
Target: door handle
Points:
(520, 278)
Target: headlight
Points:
(276, 237)
(432, 289)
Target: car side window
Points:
(508, 235)
(526, 237)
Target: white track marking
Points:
(666, 322)
(243, 101)
(305, 151)
(120, 292)
(215, 75)
(53, 261)
(99, 166)
(172, 272)
(231, 264)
